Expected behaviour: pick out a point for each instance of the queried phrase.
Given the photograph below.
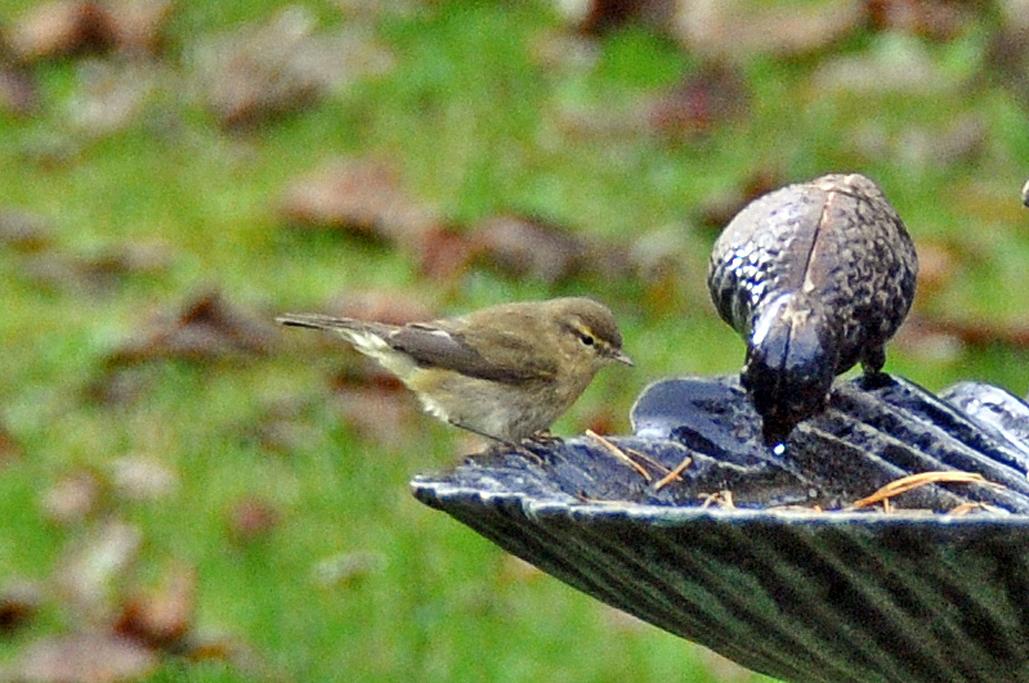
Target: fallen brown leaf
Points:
(261, 71)
(97, 273)
(720, 499)
(740, 29)
(219, 647)
(527, 247)
(70, 27)
(442, 252)
(91, 569)
(251, 519)
(161, 618)
(938, 263)
(704, 99)
(59, 28)
(72, 498)
(25, 232)
(1007, 59)
(934, 19)
(595, 17)
(138, 26)
(82, 658)
(207, 327)
(142, 478)
(357, 196)
(119, 386)
(665, 261)
(972, 507)
(959, 141)
(19, 95)
(10, 451)
(19, 603)
(922, 342)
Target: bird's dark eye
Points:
(586, 339)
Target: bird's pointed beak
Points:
(622, 358)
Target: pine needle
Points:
(914, 481)
(619, 454)
(674, 475)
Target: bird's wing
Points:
(504, 357)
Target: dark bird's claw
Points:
(871, 381)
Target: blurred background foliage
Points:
(187, 493)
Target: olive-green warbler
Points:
(504, 372)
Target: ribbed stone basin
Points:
(784, 579)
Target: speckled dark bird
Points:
(815, 277)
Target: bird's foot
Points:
(871, 381)
(502, 446)
(526, 447)
(872, 363)
(544, 438)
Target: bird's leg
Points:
(872, 363)
(498, 441)
(484, 435)
(873, 359)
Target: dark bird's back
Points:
(816, 277)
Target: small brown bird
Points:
(504, 372)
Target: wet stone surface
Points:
(867, 438)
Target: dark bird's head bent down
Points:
(791, 360)
(506, 372)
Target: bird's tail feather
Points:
(317, 321)
(366, 336)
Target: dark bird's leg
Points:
(873, 359)
(499, 441)
(872, 363)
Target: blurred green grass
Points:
(469, 117)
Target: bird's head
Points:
(792, 356)
(588, 332)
